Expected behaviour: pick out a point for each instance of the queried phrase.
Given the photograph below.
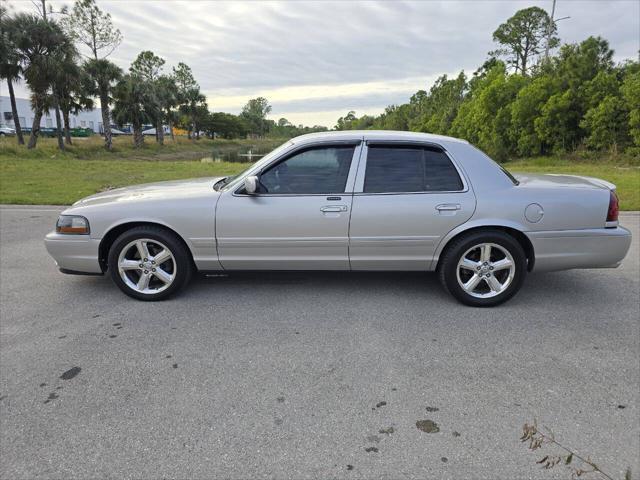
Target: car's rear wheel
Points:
(483, 269)
(149, 263)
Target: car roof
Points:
(375, 135)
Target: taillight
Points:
(614, 207)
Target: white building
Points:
(86, 119)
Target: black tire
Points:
(448, 267)
(180, 267)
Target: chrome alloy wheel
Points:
(147, 266)
(485, 270)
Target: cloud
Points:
(310, 58)
(234, 99)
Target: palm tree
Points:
(147, 68)
(93, 28)
(41, 46)
(189, 96)
(63, 65)
(102, 76)
(130, 98)
(10, 68)
(192, 100)
(72, 89)
(167, 96)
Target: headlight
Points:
(72, 224)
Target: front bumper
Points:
(591, 248)
(74, 253)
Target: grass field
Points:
(46, 176)
(92, 148)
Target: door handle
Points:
(333, 208)
(448, 207)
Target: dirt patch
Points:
(428, 426)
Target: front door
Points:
(407, 197)
(299, 221)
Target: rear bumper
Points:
(74, 253)
(591, 248)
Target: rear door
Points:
(300, 221)
(407, 197)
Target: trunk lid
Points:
(552, 180)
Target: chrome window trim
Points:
(359, 187)
(351, 176)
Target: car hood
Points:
(569, 181)
(173, 189)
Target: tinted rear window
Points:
(396, 169)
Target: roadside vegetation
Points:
(529, 99)
(532, 95)
(92, 148)
(48, 176)
(62, 58)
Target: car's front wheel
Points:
(149, 263)
(483, 269)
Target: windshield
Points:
(230, 182)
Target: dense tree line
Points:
(255, 123)
(577, 98)
(62, 56)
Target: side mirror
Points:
(251, 184)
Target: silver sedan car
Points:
(358, 200)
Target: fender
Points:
(152, 221)
(473, 223)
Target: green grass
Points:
(62, 181)
(46, 176)
(92, 148)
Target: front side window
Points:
(398, 169)
(313, 171)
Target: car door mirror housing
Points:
(251, 184)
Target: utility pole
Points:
(550, 28)
(44, 8)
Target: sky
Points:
(316, 60)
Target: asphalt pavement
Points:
(309, 375)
